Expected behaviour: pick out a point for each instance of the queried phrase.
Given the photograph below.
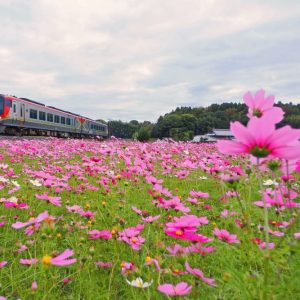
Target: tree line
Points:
(184, 123)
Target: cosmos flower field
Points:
(83, 219)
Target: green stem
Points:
(266, 229)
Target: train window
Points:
(50, 117)
(14, 108)
(63, 120)
(56, 119)
(68, 121)
(33, 114)
(42, 116)
(9, 103)
(21, 111)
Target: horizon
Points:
(136, 60)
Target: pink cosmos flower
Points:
(174, 203)
(104, 264)
(263, 245)
(3, 223)
(61, 259)
(297, 235)
(131, 236)
(180, 289)
(282, 142)
(54, 200)
(225, 236)
(199, 274)
(136, 210)
(33, 224)
(127, 267)
(9, 204)
(34, 286)
(22, 249)
(277, 198)
(192, 200)
(152, 180)
(225, 213)
(3, 263)
(176, 250)
(150, 219)
(259, 106)
(188, 236)
(187, 223)
(31, 261)
(87, 214)
(185, 228)
(199, 194)
(97, 234)
(199, 248)
(150, 261)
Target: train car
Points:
(21, 116)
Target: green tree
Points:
(143, 134)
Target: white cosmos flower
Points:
(202, 177)
(270, 182)
(15, 183)
(139, 283)
(13, 200)
(35, 182)
(3, 179)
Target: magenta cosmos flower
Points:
(61, 259)
(97, 234)
(198, 273)
(179, 289)
(259, 105)
(225, 236)
(260, 138)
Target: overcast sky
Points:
(138, 59)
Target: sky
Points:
(139, 59)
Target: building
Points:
(222, 134)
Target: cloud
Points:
(130, 59)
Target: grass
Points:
(237, 268)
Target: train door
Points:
(14, 110)
(22, 112)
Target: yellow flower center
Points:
(148, 259)
(49, 221)
(134, 240)
(140, 283)
(47, 260)
(179, 232)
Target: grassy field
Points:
(106, 180)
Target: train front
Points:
(4, 112)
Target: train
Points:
(22, 116)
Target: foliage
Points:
(182, 121)
(143, 134)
